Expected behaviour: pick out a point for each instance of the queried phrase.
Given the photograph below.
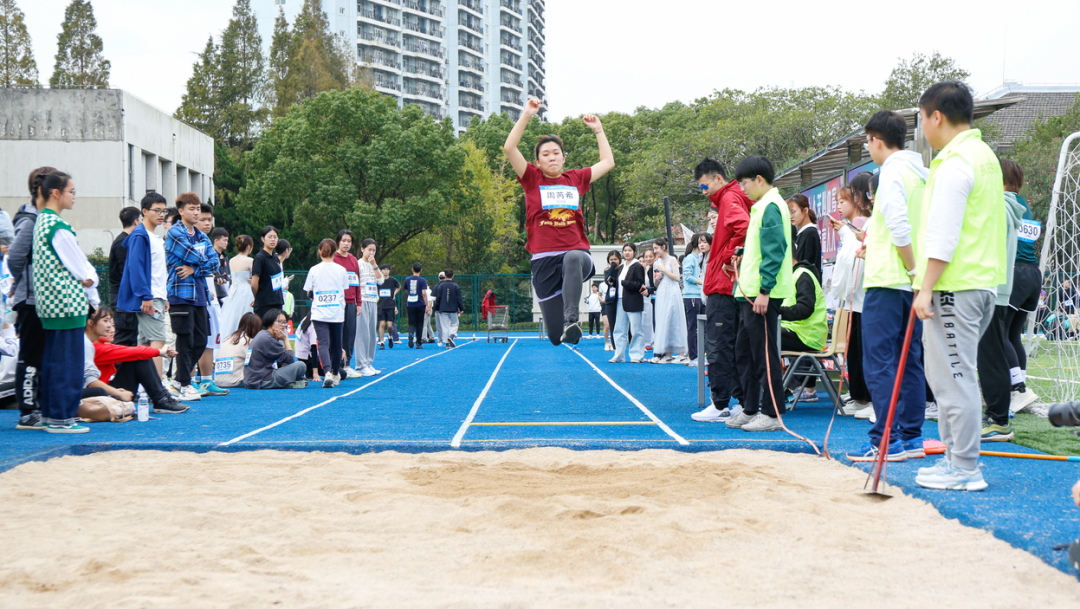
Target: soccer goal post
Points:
(1053, 337)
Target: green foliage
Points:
(241, 68)
(79, 62)
(1037, 153)
(909, 79)
(99, 258)
(17, 65)
(229, 179)
(306, 61)
(199, 106)
(352, 159)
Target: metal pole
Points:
(701, 320)
(667, 217)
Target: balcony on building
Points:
(470, 42)
(511, 23)
(513, 113)
(379, 58)
(511, 5)
(378, 14)
(473, 5)
(423, 26)
(416, 88)
(508, 40)
(471, 22)
(422, 69)
(422, 47)
(389, 3)
(509, 60)
(387, 83)
(435, 111)
(468, 62)
(424, 6)
(509, 78)
(470, 102)
(378, 35)
(509, 96)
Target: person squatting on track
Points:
(764, 281)
(961, 255)
(561, 263)
(326, 284)
(731, 207)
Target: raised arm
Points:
(607, 160)
(510, 148)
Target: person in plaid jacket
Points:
(190, 258)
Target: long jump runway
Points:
(528, 393)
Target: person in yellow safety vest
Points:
(889, 250)
(765, 280)
(960, 262)
(803, 324)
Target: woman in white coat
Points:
(669, 337)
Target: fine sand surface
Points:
(530, 528)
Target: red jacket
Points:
(352, 293)
(733, 209)
(107, 355)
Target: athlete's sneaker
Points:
(608, 347)
(189, 394)
(73, 428)
(1020, 400)
(173, 390)
(301, 384)
(955, 479)
(382, 346)
(390, 342)
(328, 382)
(664, 360)
(170, 406)
(371, 371)
(763, 422)
(639, 361)
(351, 373)
(992, 432)
(932, 410)
(212, 389)
(411, 342)
(869, 452)
(450, 344)
(739, 420)
(712, 415)
(852, 409)
(865, 411)
(940, 466)
(873, 417)
(679, 359)
(808, 396)
(571, 333)
(913, 448)
(31, 421)
(691, 362)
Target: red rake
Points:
(878, 471)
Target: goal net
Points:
(1053, 337)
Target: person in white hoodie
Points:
(853, 202)
(889, 271)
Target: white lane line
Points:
(456, 442)
(335, 398)
(634, 400)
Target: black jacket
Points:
(632, 299)
(448, 298)
(807, 246)
(805, 296)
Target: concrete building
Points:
(457, 58)
(115, 146)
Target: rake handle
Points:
(879, 465)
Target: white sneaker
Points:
(351, 373)
(692, 363)
(873, 416)
(864, 412)
(763, 422)
(953, 479)
(678, 359)
(1019, 401)
(851, 408)
(189, 394)
(173, 391)
(608, 348)
(367, 371)
(941, 466)
(666, 360)
(712, 415)
(372, 371)
(737, 421)
(932, 411)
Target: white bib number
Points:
(370, 290)
(559, 197)
(413, 298)
(276, 281)
(247, 358)
(384, 293)
(1029, 231)
(223, 365)
(354, 279)
(330, 299)
(612, 291)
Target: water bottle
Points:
(144, 406)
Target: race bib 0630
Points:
(559, 197)
(1029, 231)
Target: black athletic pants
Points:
(610, 311)
(348, 332)
(994, 369)
(692, 307)
(721, 329)
(191, 325)
(416, 322)
(594, 323)
(856, 378)
(129, 375)
(127, 328)
(752, 346)
(790, 341)
(31, 350)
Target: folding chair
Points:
(808, 365)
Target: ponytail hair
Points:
(804, 204)
(37, 178)
(244, 242)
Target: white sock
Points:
(1016, 375)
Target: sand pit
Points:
(541, 527)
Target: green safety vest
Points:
(979, 260)
(814, 330)
(750, 269)
(884, 266)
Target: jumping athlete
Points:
(561, 262)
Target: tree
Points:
(277, 73)
(241, 68)
(909, 79)
(17, 65)
(79, 62)
(200, 107)
(351, 159)
(306, 61)
(485, 235)
(1037, 153)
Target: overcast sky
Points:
(606, 55)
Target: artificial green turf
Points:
(1036, 432)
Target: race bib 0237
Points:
(559, 197)
(328, 299)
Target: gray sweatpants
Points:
(285, 376)
(448, 326)
(365, 334)
(951, 352)
(427, 334)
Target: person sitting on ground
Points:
(229, 364)
(269, 348)
(124, 368)
(803, 324)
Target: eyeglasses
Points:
(160, 212)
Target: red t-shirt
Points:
(553, 219)
(352, 268)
